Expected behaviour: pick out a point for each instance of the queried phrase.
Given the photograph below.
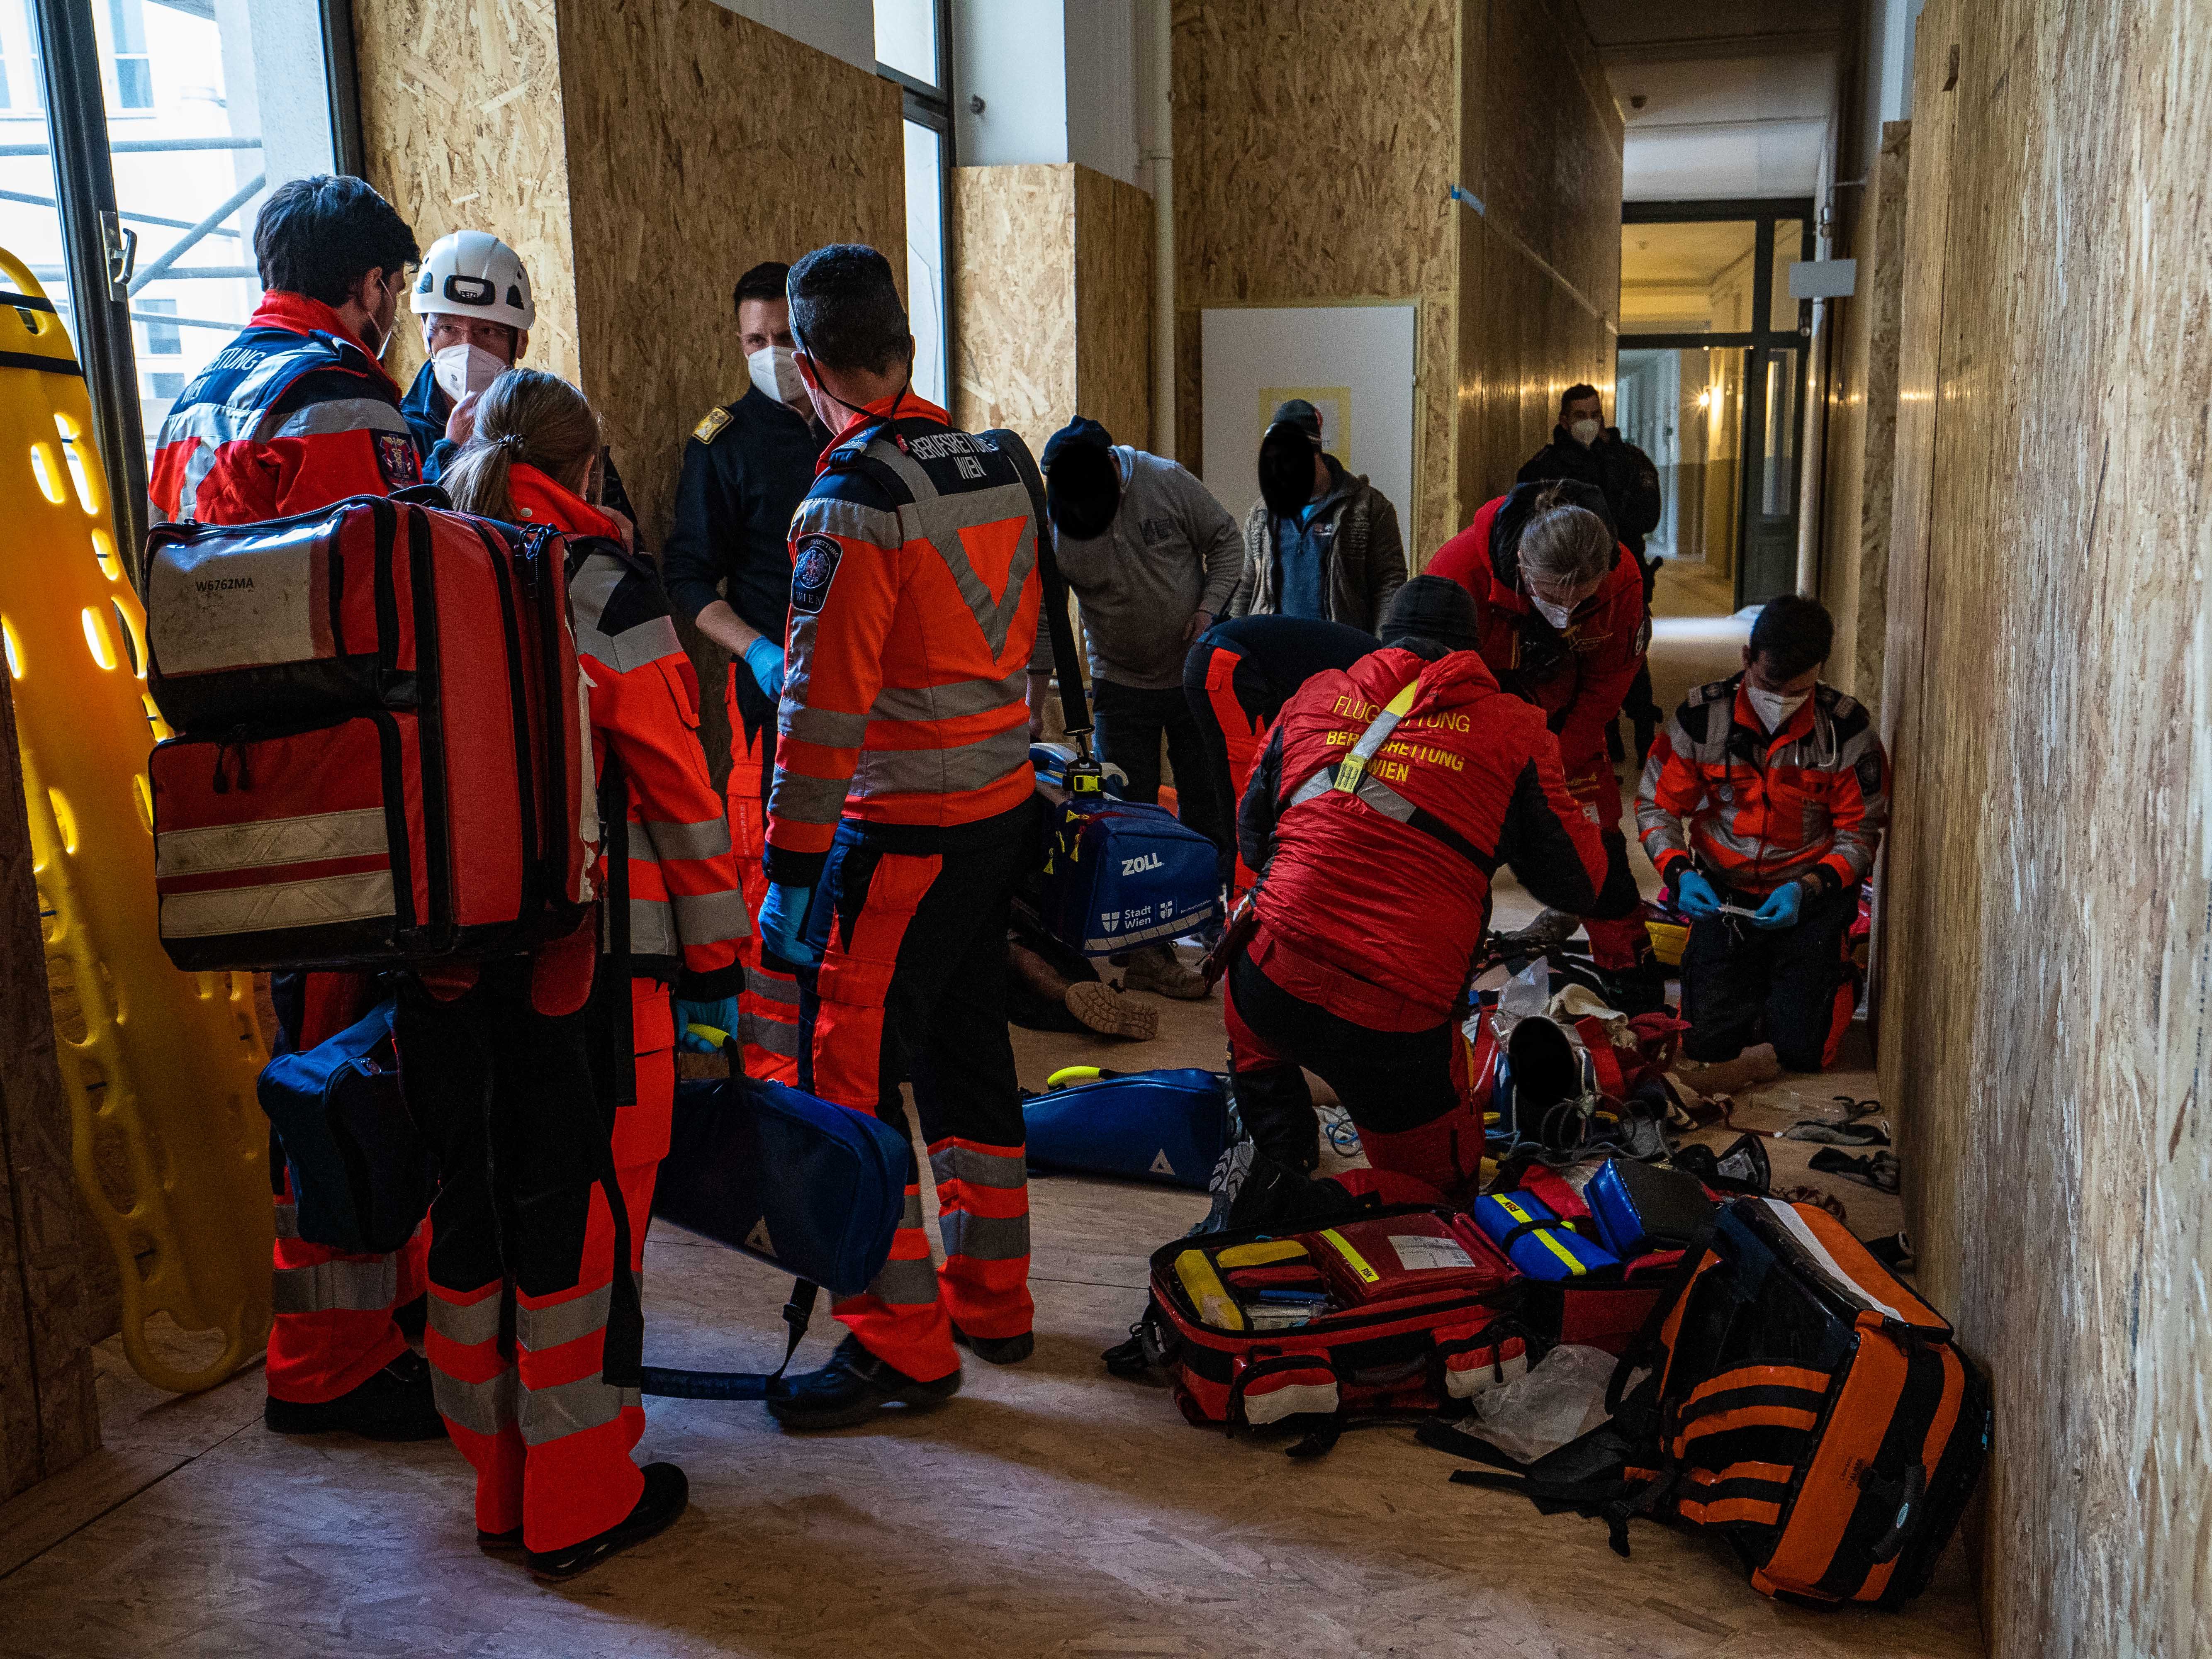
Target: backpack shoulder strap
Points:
(1066, 664)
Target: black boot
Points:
(998, 1350)
(395, 1404)
(852, 1389)
(1639, 990)
(1277, 1196)
(666, 1491)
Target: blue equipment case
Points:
(800, 1183)
(1539, 1242)
(1167, 1125)
(360, 1177)
(1119, 874)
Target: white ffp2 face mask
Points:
(1773, 707)
(461, 369)
(1584, 431)
(1558, 615)
(776, 374)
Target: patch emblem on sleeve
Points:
(711, 424)
(396, 460)
(813, 567)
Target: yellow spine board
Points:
(159, 1065)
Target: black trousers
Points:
(1390, 1081)
(1794, 985)
(1131, 725)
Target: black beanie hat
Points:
(1083, 487)
(1431, 609)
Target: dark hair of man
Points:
(1575, 394)
(1792, 634)
(845, 309)
(764, 281)
(320, 236)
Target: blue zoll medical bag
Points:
(1118, 875)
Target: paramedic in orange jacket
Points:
(1784, 789)
(1562, 625)
(899, 815)
(293, 413)
(549, 1436)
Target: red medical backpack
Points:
(382, 755)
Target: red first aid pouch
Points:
(1383, 1260)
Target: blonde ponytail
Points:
(529, 416)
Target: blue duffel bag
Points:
(1119, 874)
(800, 1183)
(770, 1170)
(362, 1177)
(1167, 1125)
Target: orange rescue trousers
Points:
(538, 1236)
(912, 987)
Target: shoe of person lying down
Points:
(1106, 1011)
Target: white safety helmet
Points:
(471, 273)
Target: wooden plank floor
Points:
(1049, 1509)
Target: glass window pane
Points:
(905, 38)
(30, 223)
(1784, 312)
(1688, 278)
(208, 105)
(925, 258)
(1683, 409)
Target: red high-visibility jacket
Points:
(914, 607)
(687, 914)
(1373, 900)
(292, 414)
(1764, 808)
(1578, 677)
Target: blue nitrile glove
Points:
(1782, 906)
(782, 919)
(1694, 897)
(721, 1014)
(764, 660)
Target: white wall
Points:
(1058, 79)
(843, 29)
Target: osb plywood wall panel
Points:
(700, 143)
(1013, 300)
(1539, 300)
(2045, 1041)
(48, 1420)
(461, 117)
(1114, 237)
(1314, 144)
(1861, 440)
(1865, 641)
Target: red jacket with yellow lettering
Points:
(1578, 675)
(292, 414)
(687, 916)
(914, 607)
(1764, 808)
(1373, 900)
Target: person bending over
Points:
(1559, 603)
(1766, 792)
(1387, 795)
(1151, 558)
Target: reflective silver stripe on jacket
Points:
(339, 415)
(332, 1286)
(589, 590)
(948, 702)
(949, 771)
(1370, 789)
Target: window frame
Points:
(931, 107)
(100, 250)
